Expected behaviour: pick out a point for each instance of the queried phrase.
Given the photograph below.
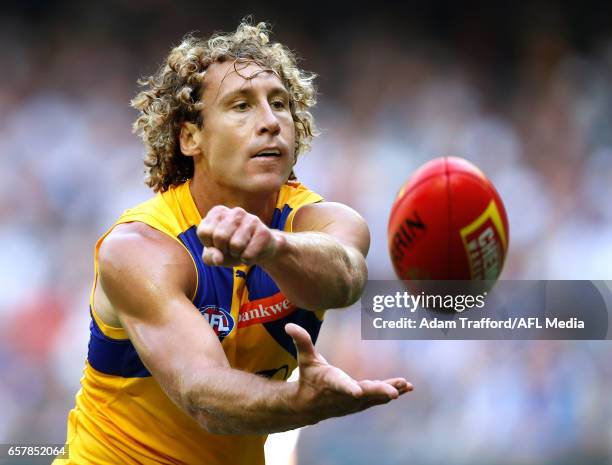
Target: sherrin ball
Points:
(448, 223)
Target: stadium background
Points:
(524, 91)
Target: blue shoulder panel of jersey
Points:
(280, 217)
(215, 284)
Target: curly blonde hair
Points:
(172, 96)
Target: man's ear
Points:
(189, 139)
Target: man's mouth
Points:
(265, 153)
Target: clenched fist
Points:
(232, 237)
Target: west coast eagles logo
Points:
(219, 319)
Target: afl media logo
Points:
(220, 320)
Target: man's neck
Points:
(206, 196)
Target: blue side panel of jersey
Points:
(117, 357)
(260, 286)
(215, 284)
(304, 318)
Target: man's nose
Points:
(268, 121)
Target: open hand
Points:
(327, 391)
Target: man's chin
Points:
(263, 183)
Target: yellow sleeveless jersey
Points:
(122, 416)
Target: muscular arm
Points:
(145, 278)
(320, 265)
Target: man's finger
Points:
(259, 241)
(212, 256)
(224, 231)
(344, 384)
(241, 237)
(378, 388)
(302, 341)
(400, 384)
(208, 224)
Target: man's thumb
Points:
(301, 339)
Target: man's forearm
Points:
(231, 401)
(317, 272)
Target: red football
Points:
(448, 222)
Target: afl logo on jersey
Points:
(220, 320)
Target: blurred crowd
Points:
(537, 123)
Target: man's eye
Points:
(241, 106)
(279, 105)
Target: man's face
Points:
(247, 138)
